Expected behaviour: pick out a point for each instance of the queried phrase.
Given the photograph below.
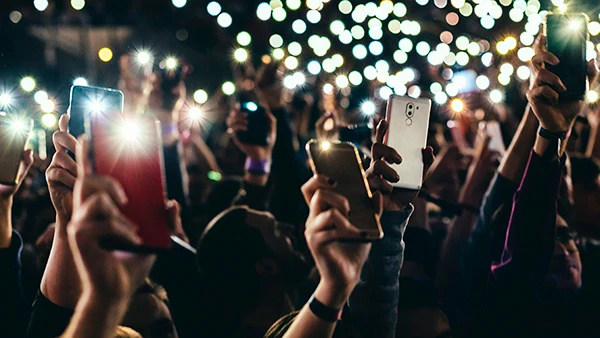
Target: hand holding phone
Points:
(341, 163)
(254, 129)
(86, 100)
(130, 151)
(14, 134)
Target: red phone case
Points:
(137, 163)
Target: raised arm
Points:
(14, 307)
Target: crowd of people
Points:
(496, 243)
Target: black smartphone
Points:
(258, 131)
(356, 134)
(87, 100)
(567, 36)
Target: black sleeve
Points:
(47, 319)
(13, 309)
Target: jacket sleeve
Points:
(374, 302)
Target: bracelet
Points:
(257, 167)
(551, 135)
(323, 311)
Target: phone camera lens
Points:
(410, 113)
(410, 106)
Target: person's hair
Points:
(126, 332)
(584, 170)
(149, 287)
(227, 254)
(280, 327)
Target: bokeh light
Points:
(105, 54)
(28, 83)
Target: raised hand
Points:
(333, 241)
(106, 274)
(62, 173)
(136, 90)
(480, 174)
(238, 121)
(8, 191)
(380, 173)
(553, 115)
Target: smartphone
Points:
(130, 150)
(140, 65)
(14, 133)
(408, 124)
(340, 161)
(258, 125)
(86, 100)
(356, 134)
(492, 128)
(567, 36)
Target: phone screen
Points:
(14, 132)
(340, 161)
(567, 36)
(87, 100)
(130, 151)
(258, 132)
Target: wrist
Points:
(332, 295)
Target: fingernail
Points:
(331, 182)
(363, 234)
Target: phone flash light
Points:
(575, 25)
(195, 113)
(325, 146)
(18, 125)
(251, 106)
(171, 63)
(96, 106)
(143, 57)
(129, 130)
(592, 96)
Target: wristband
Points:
(550, 135)
(169, 128)
(258, 167)
(323, 311)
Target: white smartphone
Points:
(408, 124)
(496, 142)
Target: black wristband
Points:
(550, 135)
(323, 311)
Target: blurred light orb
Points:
(224, 20)
(423, 48)
(49, 120)
(504, 79)
(523, 72)
(200, 96)
(487, 22)
(375, 23)
(400, 10)
(452, 89)
(400, 57)
(527, 38)
(338, 60)
(28, 83)
(291, 62)
(357, 32)
(80, 81)
(359, 14)
(405, 45)
(435, 88)
(289, 82)
(336, 27)
(394, 26)
(511, 42)
(474, 49)
(496, 96)
(295, 48)
(314, 4)
(293, 4)
(263, 11)
(195, 113)
(299, 78)
(466, 10)
(328, 88)
(368, 108)
(40, 5)
(342, 81)
(355, 78)
(526, 54)
(47, 106)
(171, 63)
(345, 7)
(594, 28)
(299, 26)
(502, 48)
(15, 16)
(487, 59)
(79, 4)
(440, 98)
(228, 88)
(376, 33)
(422, 2)
(414, 92)
(507, 69)
(462, 58)
(279, 14)
(176, 3)
(446, 37)
(382, 66)
(214, 8)
(105, 54)
(452, 19)
(313, 16)
(278, 53)
(592, 96)
(385, 92)
(359, 51)
(5, 99)
(462, 42)
(39, 97)
(345, 37)
(244, 38)
(482, 82)
(276, 41)
(435, 58)
(457, 105)
(370, 73)
(376, 48)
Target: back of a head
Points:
(226, 255)
(584, 170)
